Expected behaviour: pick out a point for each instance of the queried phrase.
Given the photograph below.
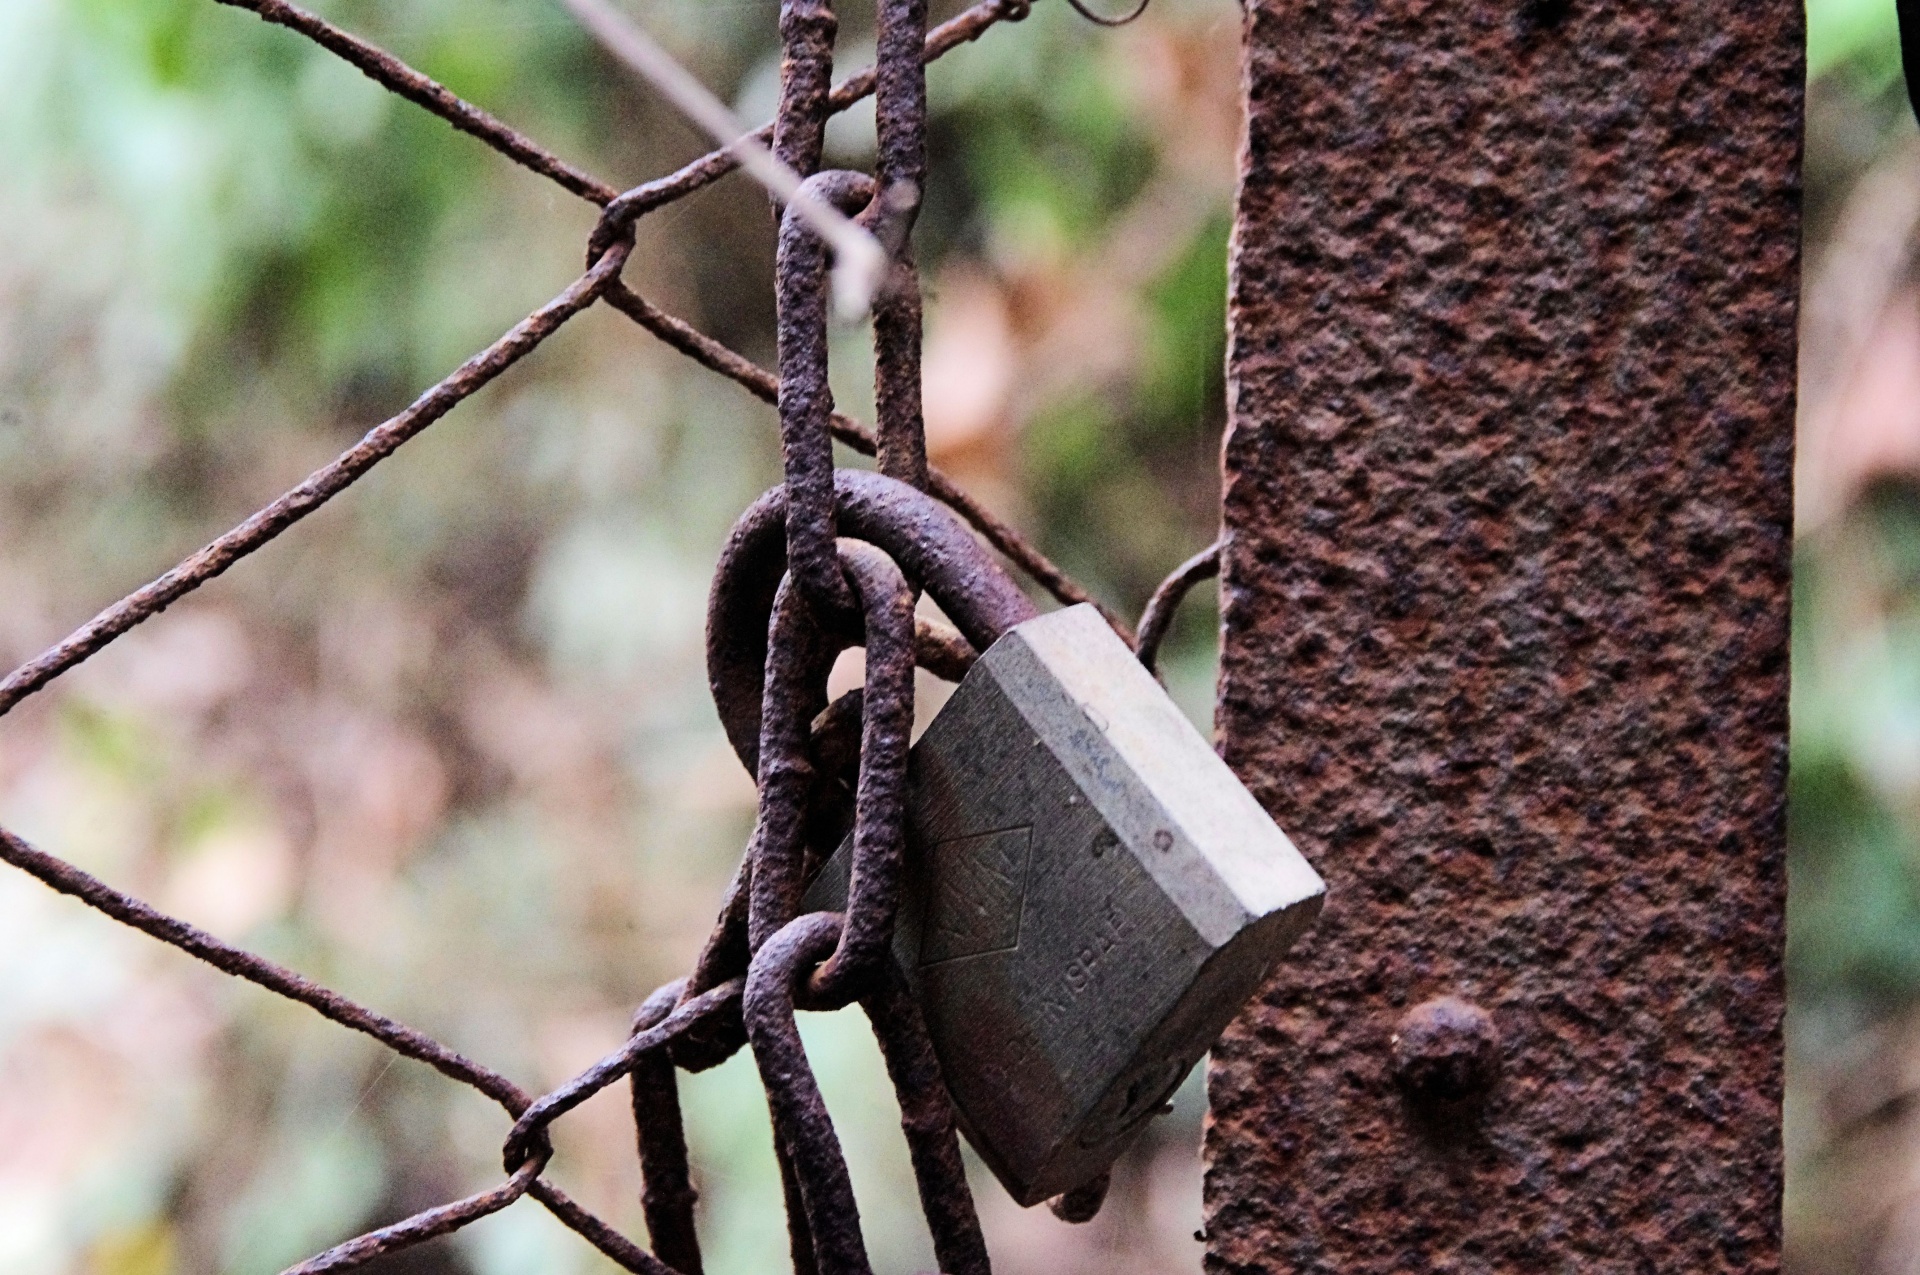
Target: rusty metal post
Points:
(1508, 503)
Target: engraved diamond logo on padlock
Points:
(978, 886)
(1091, 897)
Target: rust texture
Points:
(1505, 590)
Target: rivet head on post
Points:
(1446, 1051)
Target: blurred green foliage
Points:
(1860, 37)
(1096, 462)
(228, 254)
(1855, 916)
(1854, 824)
(460, 713)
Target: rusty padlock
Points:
(1091, 896)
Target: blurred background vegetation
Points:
(449, 747)
(1853, 956)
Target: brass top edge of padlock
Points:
(1187, 817)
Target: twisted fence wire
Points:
(681, 1023)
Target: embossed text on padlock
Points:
(1092, 896)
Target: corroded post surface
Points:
(1509, 505)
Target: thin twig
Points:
(624, 208)
(391, 73)
(859, 260)
(697, 175)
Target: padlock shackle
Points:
(933, 548)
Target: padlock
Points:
(1091, 896)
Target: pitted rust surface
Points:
(1508, 508)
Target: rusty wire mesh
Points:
(674, 1016)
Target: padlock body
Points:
(1091, 897)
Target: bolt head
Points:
(1446, 1051)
